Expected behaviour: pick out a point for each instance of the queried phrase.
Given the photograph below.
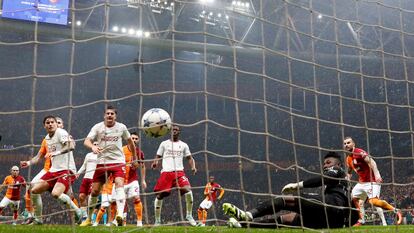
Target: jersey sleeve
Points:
(125, 132)
(63, 136)
(43, 148)
(186, 151)
(93, 133)
(160, 150)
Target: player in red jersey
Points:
(14, 182)
(131, 177)
(210, 192)
(368, 185)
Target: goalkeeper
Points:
(333, 210)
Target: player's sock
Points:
(65, 199)
(113, 212)
(120, 200)
(15, 215)
(204, 216)
(157, 209)
(380, 212)
(75, 201)
(28, 202)
(105, 218)
(138, 209)
(357, 206)
(200, 214)
(267, 208)
(362, 212)
(381, 203)
(92, 203)
(37, 205)
(189, 203)
(101, 212)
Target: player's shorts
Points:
(206, 204)
(168, 180)
(86, 186)
(105, 170)
(364, 190)
(14, 204)
(65, 177)
(38, 176)
(132, 189)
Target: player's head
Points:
(349, 144)
(211, 179)
(135, 137)
(332, 159)
(176, 132)
(49, 123)
(14, 171)
(60, 123)
(110, 115)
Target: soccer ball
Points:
(156, 122)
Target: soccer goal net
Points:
(262, 90)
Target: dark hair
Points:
(333, 154)
(110, 107)
(48, 117)
(134, 133)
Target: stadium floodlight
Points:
(115, 28)
(123, 30)
(147, 34)
(78, 23)
(140, 33)
(320, 16)
(131, 31)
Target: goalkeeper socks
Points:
(267, 208)
(189, 203)
(120, 200)
(138, 209)
(157, 209)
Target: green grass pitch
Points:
(169, 229)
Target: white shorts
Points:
(38, 176)
(7, 202)
(364, 190)
(131, 189)
(206, 204)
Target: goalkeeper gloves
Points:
(292, 187)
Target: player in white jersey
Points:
(88, 167)
(62, 172)
(172, 152)
(110, 159)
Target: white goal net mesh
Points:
(261, 89)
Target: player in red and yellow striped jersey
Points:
(369, 179)
(13, 182)
(210, 192)
(131, 184)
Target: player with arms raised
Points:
(14, 182)
(368, 185)
(111, 160)
(172, 152)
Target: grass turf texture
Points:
(209, 229)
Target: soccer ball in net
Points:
(156, 122)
